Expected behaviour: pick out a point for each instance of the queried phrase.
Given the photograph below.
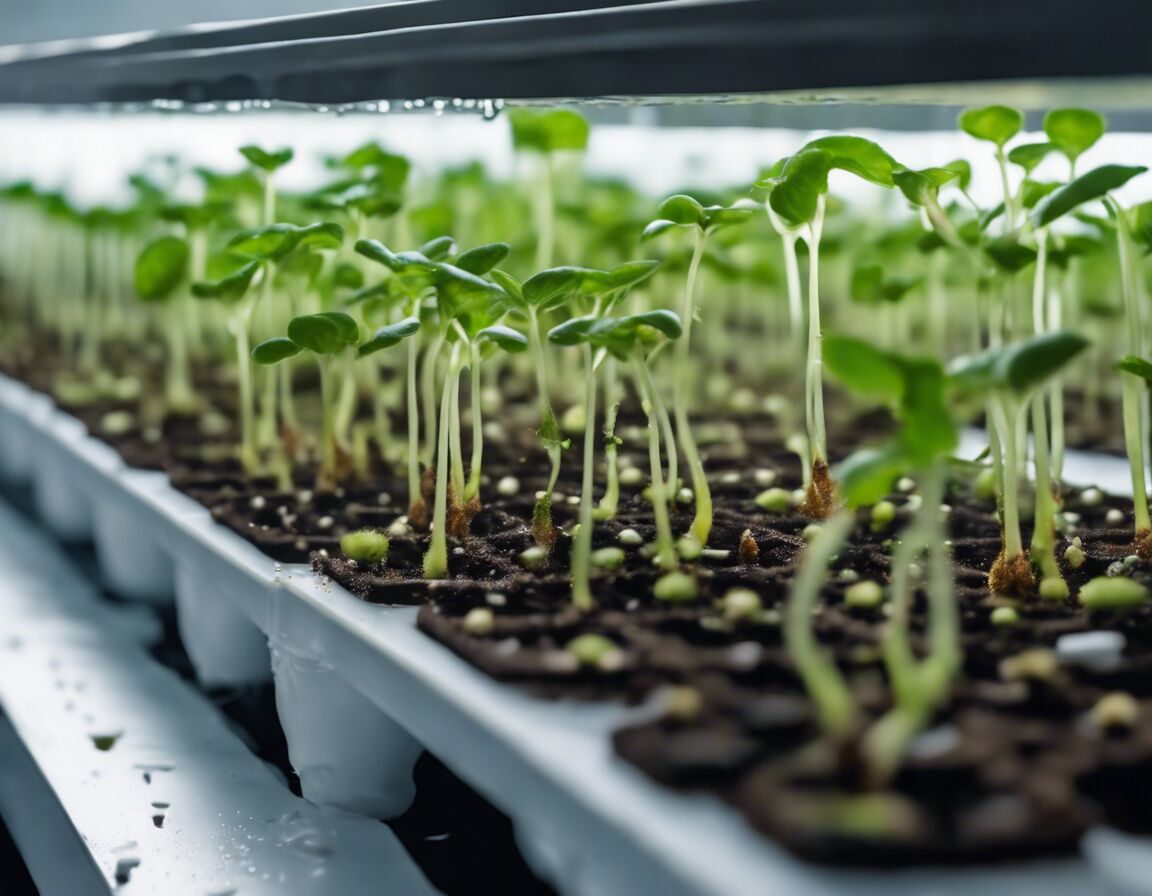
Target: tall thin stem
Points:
(835, 706)
(582, 545)
(814, 379)
(436, 559)
(413, 423)
(473, 488)
(702, 523)
(665, 545)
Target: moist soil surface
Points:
(1018, 762)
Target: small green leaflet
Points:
(161, 268)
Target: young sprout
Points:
(596, 332)
(267, 163)
(465, 310)
(330, 336)
(1011, 376)
(161, 275)
(798, 195)
(628, 339)
(684, 211)
(534, 297)
(915, 387)
(996, 125)
(1136, 375)
(548, 134)
(265, 248)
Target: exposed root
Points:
(460, 515)
(822, 499)
(1143, 543)
(1011, 575)
(418, 516)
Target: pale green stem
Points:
(834, 704)
(1132, 395)
(413, 423)
(239, 327)
(436, 559)
(918, 686)
(702, 523)
(582, 544)
(473, 488)
(456, 470)
(1043, 532)
(814, 381)
(428, 396)
(665, 544)
(1006, 421)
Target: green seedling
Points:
(682, 211)
(1011, 377)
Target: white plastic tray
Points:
(178, 805)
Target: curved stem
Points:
(665, 545)
(702, 523)
(835, 706)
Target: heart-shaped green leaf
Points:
(503, 337)
(231, 287)
(1008, 254)
(327, 333)
(1029, 155)
(391, 335)
(867, 476)
(161, 268)
(483, 259)
(275, 350)
(265, 160)
(859, 156)
(863, 368)
(996, 124)
(1074, 131)
(803, 181)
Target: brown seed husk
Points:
(1011, 575)
(822, 499)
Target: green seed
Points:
(811, 531)
(866, 595)
(1117, 593)
(479, 621)
(740, 603)
(775, 500)
(1005, 616)
(883, 513)
(631, 477)
(608, 558)
(675, 587)
(591, 649)
(365, 546)
(630, 537)
(533, 558)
